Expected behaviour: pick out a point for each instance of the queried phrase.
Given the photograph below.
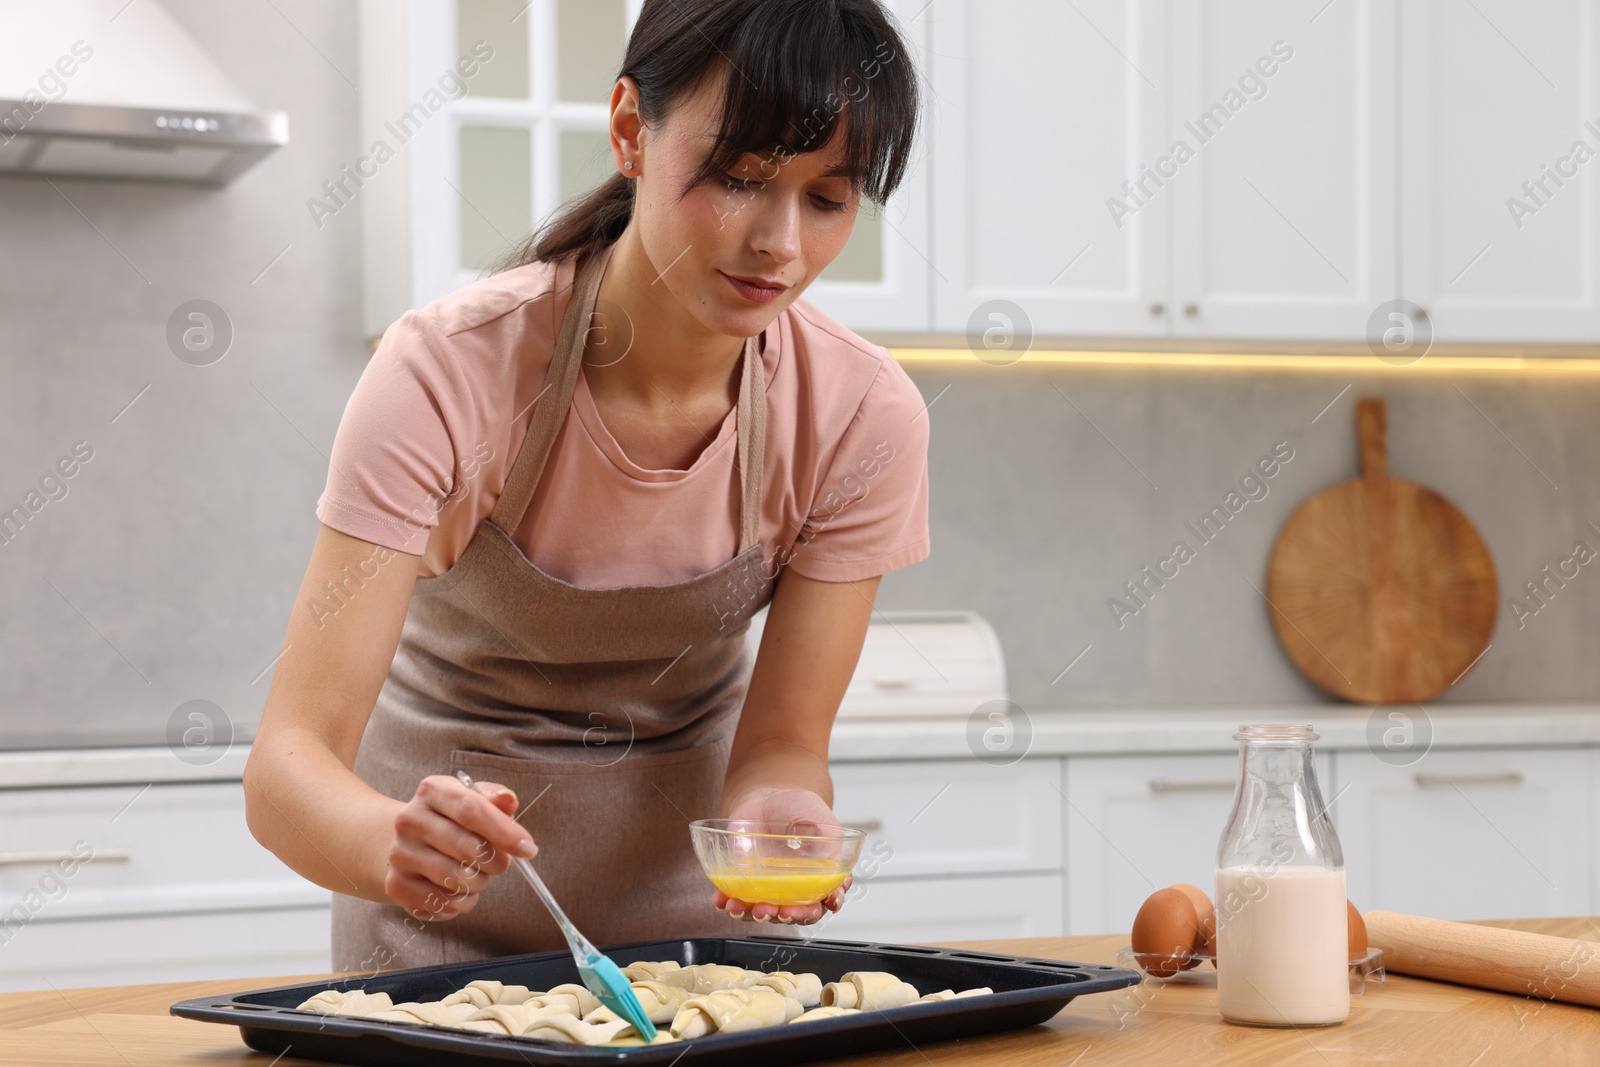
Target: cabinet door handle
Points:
(100, 855)
(1434, 781)
(1158, 309)
(869, 825)
(1191, 310)
(1161, 785)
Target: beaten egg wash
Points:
(797, 880)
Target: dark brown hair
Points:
(794, 69)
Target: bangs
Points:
(794, 75)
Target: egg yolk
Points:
(780, 881)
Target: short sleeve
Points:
(394, 455)
(871, 515)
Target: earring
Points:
(628, 165)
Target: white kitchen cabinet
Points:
(1470, 834)
(138, 949)
(1041, 111)
(928, 910)
(1495, 95)
(957, 849)
(953, 817)
(1283, 221)
(1135, 824)
(160, 882)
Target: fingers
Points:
(762, 912)
(475, 812)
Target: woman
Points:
(557, 496)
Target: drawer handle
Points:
(1161, 785)
(1434, 781)
(100, 855)
(868, 825)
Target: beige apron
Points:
(610, 712)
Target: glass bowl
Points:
(775, 862)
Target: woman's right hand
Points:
(448, 842)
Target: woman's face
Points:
(783, 228)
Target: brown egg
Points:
(1207, 915)
(1165, 933)
(1358, 932)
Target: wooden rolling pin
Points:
(1511, 961)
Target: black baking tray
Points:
(1027, 991)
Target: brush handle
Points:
(1511, 961)
(582, 949)
(581, 946)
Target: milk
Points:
(1282, 946)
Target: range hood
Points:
(117, 89)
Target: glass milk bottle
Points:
(1282, 934)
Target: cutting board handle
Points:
(1374, 437)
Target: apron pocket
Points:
(614, 848)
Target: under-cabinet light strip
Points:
(1195, 360)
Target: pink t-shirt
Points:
(428, 437)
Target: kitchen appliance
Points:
(1026, 992)
(117, 89)
(1381, 590)
(919, 664)
(1512, 961)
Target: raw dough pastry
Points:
(869, 991)
(483, 993)
(564, 1027)
(584, 1001)
(646, 971)
(685, 1002)
(709, 977)
(514, 1018)
(353, 1002)
(659, 1000)
(728, 1011)
(825, 1013)
(805, 988)
(434, 1012)
(950, 994)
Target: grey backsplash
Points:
(168, 571)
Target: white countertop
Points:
(1055, 732)
(1133, 731)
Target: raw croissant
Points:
(564, 1027)
(709, 977)
(353, 1002)
(825, 1013)
(514, 1018)
(728, 1011)
(686, 1002)
(868, 990)
(805, 988)
(435, 1012)
(585, 1000)
(950, 994)
(661, 1002)
(483, 993)
(646, 971)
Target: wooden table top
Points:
(1405, 1020)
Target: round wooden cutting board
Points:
(1381, 590)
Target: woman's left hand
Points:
(791, 806)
